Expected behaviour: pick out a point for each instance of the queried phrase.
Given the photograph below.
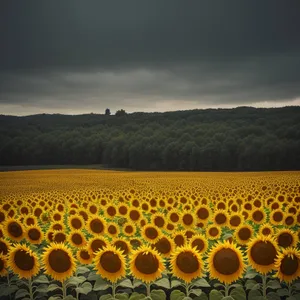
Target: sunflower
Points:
(58, 261)
(113, 229)
(158, 220)
(30, 220)
(122, 209)
(286, 238)
(187, 219)
(151, 233)
(76, 239)
(110, 211)
(179, 239)
(122, 245)
(2, 217)
(287, 265)
(134, 214)
(164, 246)
(57, 216)
(146, 264)
(235, 220)
(58, 226)
(76, 222)
(84, 256)
(266, 229)
(234, 208)
(93, 209)
(97, 243)
(135, 243)
(110, 263)
(199, 242)
(203, 212)
(129, 229)
(258, 203)
(276, 217)
(135, 202)
(220, 218)
(173, 216)
(243, 234)
(49, 235)
(213, 232)
(13, 229)
(262, 252)
(258, 216)
(289, 220)
(96, 225)
(25, 210)
(186, 263)
(59, 237)
(34, 234)
(23, 261)
(3, 265)
(189, 233)
(84, 214)
(37, 211)
(226, 262)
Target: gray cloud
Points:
(76, 56)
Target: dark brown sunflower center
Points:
(77, 239)
(123, 210)
(266, 231)
(76, 223)
(174, 217)
(221, 206)
(1, 265)
(93, 209)
(179, 240)
(220, 218)
(60, 237)
(129, 229)
(163, 246)
(23, 260)
(111, 211)
(285, 240)
(15, 229)
(57, 227)
(244, 234)
(110, 262)
(2, 216)
(151, 233)
(170, 226)
(97, 245)
(96, 226)
(263, 253)
(235, 221)
(187, 219)
(112, 229)
(146, 263)
(84, 254)
(30, 221)
(159, 221)
(257, 216)
(24, 210)
(135, 243)
(278, 216)
(289, 265)
(199, 244)
(57, 217)
(226, 261)
(187, 262)
(122, 246)
(3, 248)
(202, 213)
(134, 215)
(59, 261)
(213, 231)
(289, 220)
(34, 234)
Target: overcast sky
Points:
(155, 55)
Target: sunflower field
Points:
(89, 234)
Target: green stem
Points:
(187, 289)
(30, 288)
(148, 287)
(8, 283)
(226, 290)
(64, 289)
(290, 289)
(113, 286)
(264, 285)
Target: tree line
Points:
(240, 139)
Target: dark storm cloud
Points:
(136, 53)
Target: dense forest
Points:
(243, 138)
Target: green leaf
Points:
(69, 297)
(122, 296)
(255, 295)
(163, 282)
(42, 288)
(295, 297)
(282, 292)
(177, 295)
(93, 276)
(126, 283)
(137, 283)
(227, 298)
(251, 274)
(250, 284)
(106, 297)
(21, 293)
(55, 298)
(85, 288)
(227, 236)
(137, 296)
(158, 295)
(8, 291)
(273, 296)
(196, 292)
(201, 283)
(82, 270)
(296, 286)
(238, 294)
(41, 279)
(100, 285)
(175, 283)
(53, 287)
(201, 297)
(75, 280)
(273, 284)
(215, 295)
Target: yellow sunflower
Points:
(113, 230)
(77, 239)
(173, 216)
(235, 220)
(129, 229)
(286, 238)
(266, 229)
(220, 218)
(110, 211)
(84, 256)
(110, 263)
(151, 233)
(276, 217)
(179, 239)
(146, 264)
(289, 220)
(76, 222)
(58, 226)
(199, 242)
(262, 252)
(14, 229)
(59, 237)
(158, 220)
(23, 261)
(96, 225)
(134, 214)
(258, 216)
(243, 234)
(122, 245)
(97, 243)
(287, 265)
(187, 219)
(213, 232)
(34, 234)
(58, 261)
(226, 262)
(186, 263)
(164, 246)
(203, 212)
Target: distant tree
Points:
(107, 112)
(121, 113)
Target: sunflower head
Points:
(258, 215)
(96, 225)
(266, 229)
(286, 238)
(151, 233)
(122, 245)
(76, 222)
(129, 229)
(213, 232)
(34, 234)
(243, 234)
(199, 242)
(158, 220)
(146, 264)
(77, 239)
(84, 256)
(235, 220)
(97, 243)
(14, 229)
(220, 217)
(164, 246)
(226, 262)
